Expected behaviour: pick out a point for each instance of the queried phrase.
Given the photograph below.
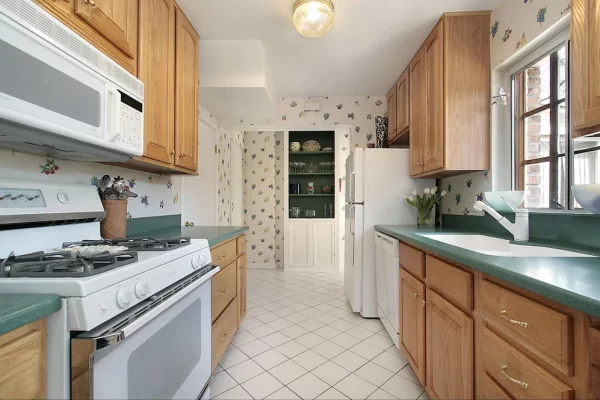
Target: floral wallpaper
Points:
(224, 141)
(259, 198)
(158, 195)
(515, 23)
(360, 112)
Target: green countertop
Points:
(214, 234)
(17, 310)
(572, 281)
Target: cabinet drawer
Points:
(520, 376)
(412, 260)
(223, 330)
(241, 245)
(545, 332)
(224, 254)
(453, 283)
(490, 390)
(224, 289)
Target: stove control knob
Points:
(199, 260)
(124, 297)
(63, 197)
(141, 289)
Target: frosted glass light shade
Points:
(313, 18)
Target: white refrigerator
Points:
(376, 181)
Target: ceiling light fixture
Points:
(313, 18)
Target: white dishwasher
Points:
(387, 270)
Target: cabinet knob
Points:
(172, 153)
(189, 224)
(222, 292)
(223, 337)
(91, 2)
(415, 295)
(181, 155)
(425, 303)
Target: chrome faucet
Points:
(519, 230)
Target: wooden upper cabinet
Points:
(116, 20)
(391, 108)
(186, 93)
(449, 96)
(433, 148)
(418, 111)
(412, 322)
(23, 362)
(157, 71)
(109, 25)
(450, 365)
(403, 101)
(585, 56)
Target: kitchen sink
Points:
(500, 247)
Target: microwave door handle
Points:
(114, 113)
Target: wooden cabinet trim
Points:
(418, 105)
(403, 102)
(241, 244)
(392, 120)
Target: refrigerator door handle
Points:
(352, 186)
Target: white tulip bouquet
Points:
(424, 204)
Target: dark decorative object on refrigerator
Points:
(381, 128)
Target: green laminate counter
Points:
(572, 281)
(214, 234)
(17, 310)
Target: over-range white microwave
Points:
(59, 95)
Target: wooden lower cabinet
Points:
(450, 369)
(412, 322)
(23, 362)
(471, 336)
(223, 331)
(229, 295)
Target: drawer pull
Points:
(503, 369)
(222, 292)
(415, 295)
(223, 337)
(222, 256)
(425, 303)
(513, 321)
(241, 267)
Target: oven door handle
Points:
(104, 341)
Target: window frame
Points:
(515, 81)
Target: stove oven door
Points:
(159, 350)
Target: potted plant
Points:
(424, 204)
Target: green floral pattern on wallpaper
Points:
(259, 197)
(224, 141)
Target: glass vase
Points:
(425, 219)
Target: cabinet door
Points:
(300, 250)
(23, 362)
(418, 111)
(402, 101)
(108, 26)
(323, 244)
(186, 93)
(450, 371)
(116, 20)
(157, 71)
(241, 287)
(412, 322)
(585, 55)
(433, 154)
(391, 108)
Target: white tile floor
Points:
(300, 340)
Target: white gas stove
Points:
(131, 290)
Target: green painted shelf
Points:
(312, 195)
(313, 174)
(310, 153)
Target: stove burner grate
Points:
(139, 244)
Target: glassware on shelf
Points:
(295, 212)
(330, 210)
(325, 210)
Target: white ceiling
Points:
(370, 44)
